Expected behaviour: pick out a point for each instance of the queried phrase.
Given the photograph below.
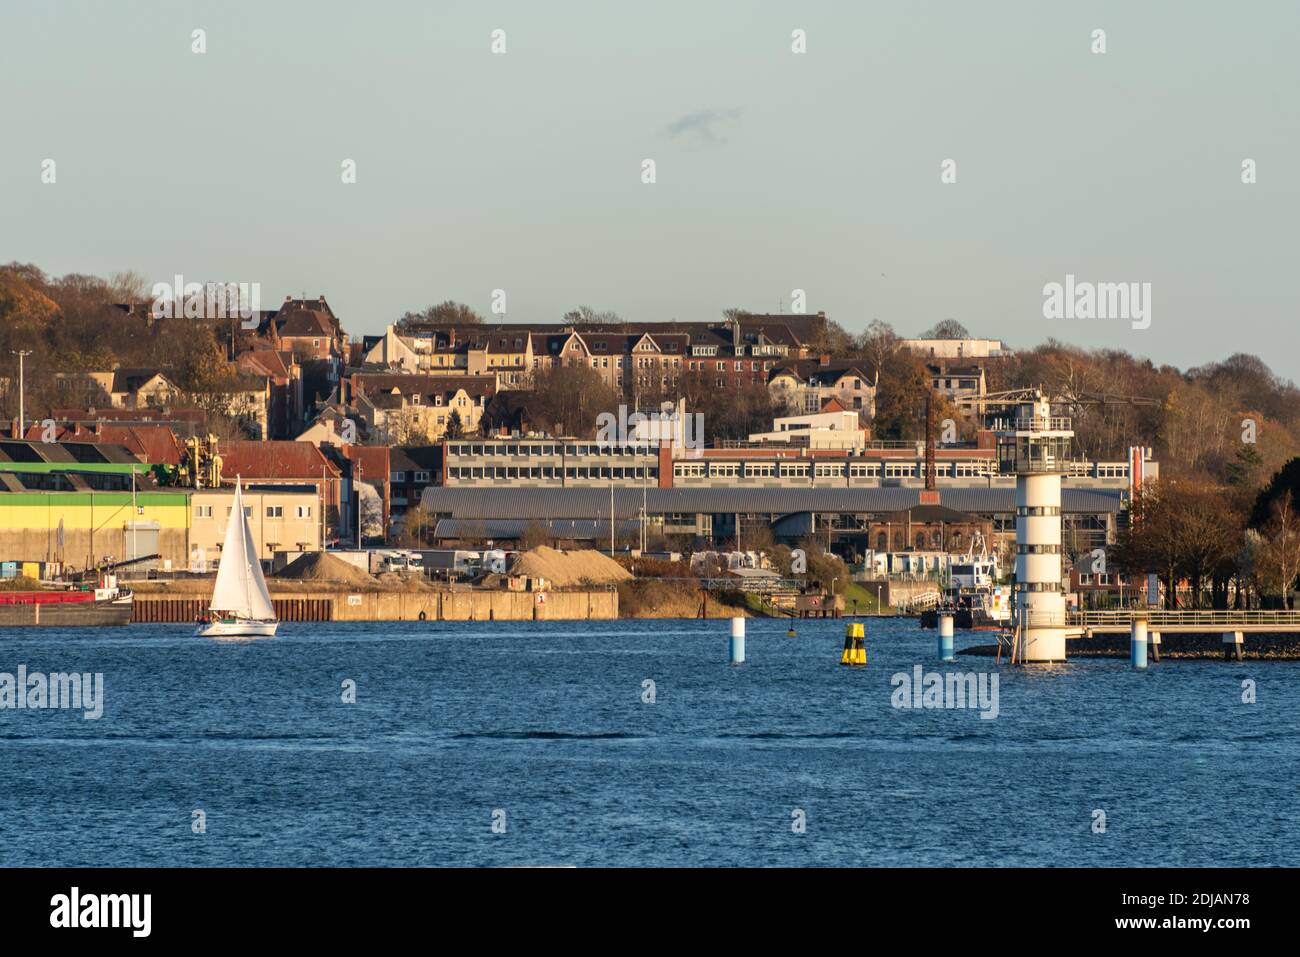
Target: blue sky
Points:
(775, 171)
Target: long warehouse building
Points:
(857, 519)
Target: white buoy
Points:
(737, 644)
(1138, 643)
(945, 636)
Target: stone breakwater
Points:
(1281, 647)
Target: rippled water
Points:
(546, 723)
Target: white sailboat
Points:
(241, 605)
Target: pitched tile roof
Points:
(375, 384)
(306, 322)
(275, 460)
(264, 362)
(374, 460)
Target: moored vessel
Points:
(104, 604)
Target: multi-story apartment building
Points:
(803, 388)
(635, 359)
(120, 388)
(414, 408)
(957, 382)
(412, 470)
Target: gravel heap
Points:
(324, 567)
(566, 569)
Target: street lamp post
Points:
(22, 410)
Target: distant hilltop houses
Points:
(630, 357)
(470, 431)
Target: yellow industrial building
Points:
(185, 528)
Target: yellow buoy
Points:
(855, 645)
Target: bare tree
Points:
(1281, 551)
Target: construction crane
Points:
(201, 465)
(1077, 400)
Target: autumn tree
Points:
(417, 527)
(730, 411)
(448, 313)
(877, 346)
(534, 535)
(947, 329)
(902, 391)
(587, 316)
(569, 398)
(1210, 531)
(1151, 543)
(455, 427)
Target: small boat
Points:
(105, 604)
(973, 596)
(241, 606)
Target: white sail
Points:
(240, 588)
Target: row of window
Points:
(919, 542)
(437, 400)
(416, 477)
(825, 470)
(272, 511)
(1102, 579)
(540, 472)
(511, 449)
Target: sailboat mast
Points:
(243, 537)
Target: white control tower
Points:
(1036, 447)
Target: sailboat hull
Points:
(237, 629)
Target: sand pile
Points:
(400, 582)
(324, 567)
(566, 569)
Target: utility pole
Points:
(22, 409)
(358, 484)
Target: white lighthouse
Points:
(1036, 447)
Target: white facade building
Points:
(958, 348)
(822, 430)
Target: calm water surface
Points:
(546, 723)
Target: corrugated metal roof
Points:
(594, 503)
(578, 529)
